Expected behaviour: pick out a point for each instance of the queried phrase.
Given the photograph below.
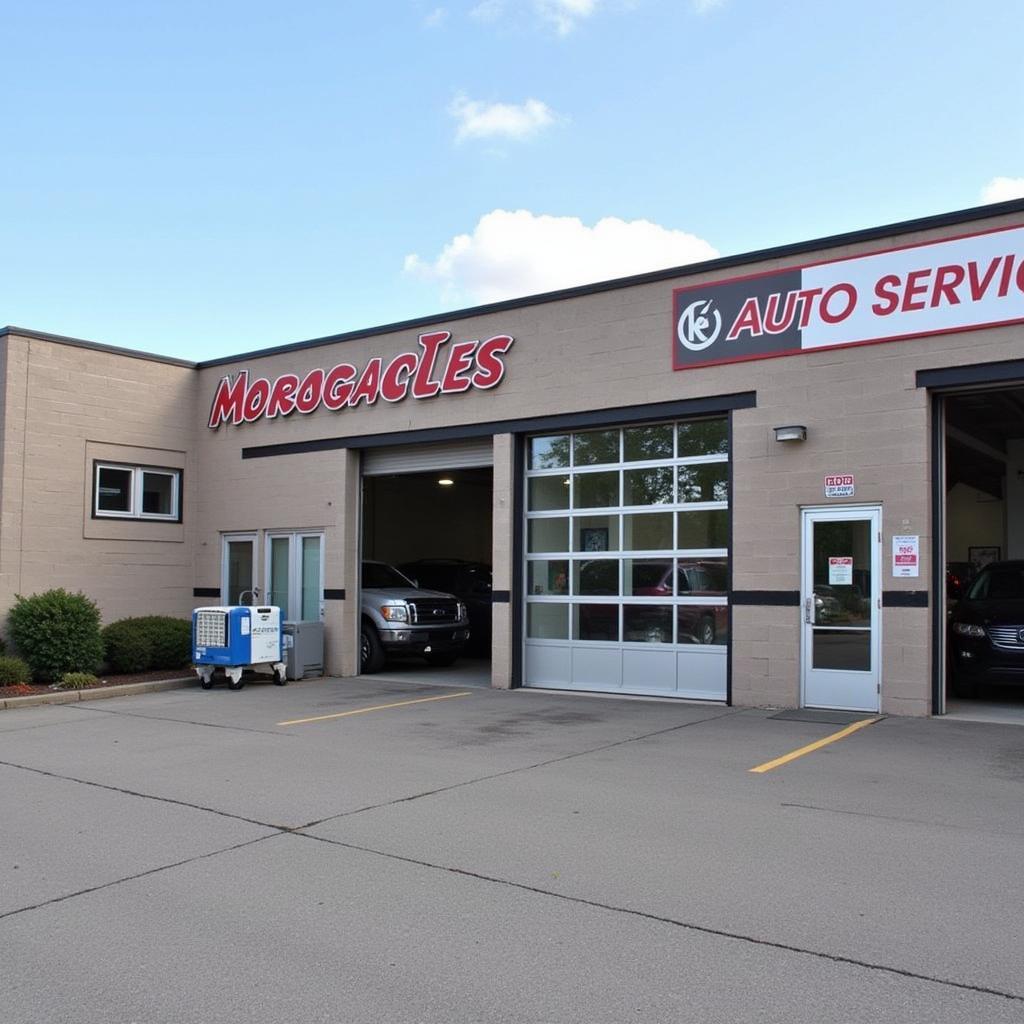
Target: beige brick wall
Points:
(609, 349)
(863, 412)
(62, 406)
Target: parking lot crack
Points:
(148, 796)
(181, 721)
(522, 768)
(689, 926)
(135, 877)
(1011, 833)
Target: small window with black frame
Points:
(136, 492)
(113, 491)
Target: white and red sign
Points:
(840, 571)
(957, 284)
(436, 368)
(840, 485)
(906, 556)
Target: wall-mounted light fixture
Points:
(446, 481)
(794, 432)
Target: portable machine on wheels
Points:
(234, 638)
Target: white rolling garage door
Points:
(627, 558)
(425, 458)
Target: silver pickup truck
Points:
(398, 619)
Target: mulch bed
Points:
(26, 690)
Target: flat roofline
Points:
(905, 227)
(117, 350)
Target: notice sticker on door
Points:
(906, 556)
(840, 571)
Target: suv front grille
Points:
(1006, 636)
(425, 611)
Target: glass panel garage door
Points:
(627, 560)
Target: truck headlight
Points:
(462, 612)
(395, 612)
(968, 629)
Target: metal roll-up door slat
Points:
(425, 458)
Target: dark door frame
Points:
(940, 383)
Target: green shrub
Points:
(3, 645)
(149, 641)
(13, 671)
(56, 632)
(77, 680)
(172, 640)
(128, 648)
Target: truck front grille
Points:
(438, 612)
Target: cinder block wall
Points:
(63, 406)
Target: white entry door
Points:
(841, 602)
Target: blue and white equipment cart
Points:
(234, 638)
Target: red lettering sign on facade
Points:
(433, 369)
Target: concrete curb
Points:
(97, 693)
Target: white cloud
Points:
(704, 6)
(435, 17)
(488, 10)
(511, 254)
(564, 14)
(478, 120)
(998, 190)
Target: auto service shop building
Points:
(736, 481)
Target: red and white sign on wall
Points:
(958, 284)
(906, 556)
(839, 485)
(436, 368)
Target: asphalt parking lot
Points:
(420, 853)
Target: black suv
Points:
(986, 629)
(470, 582)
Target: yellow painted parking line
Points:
(816, 745)
(376, 707)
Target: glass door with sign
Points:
(294, 569)
(238, 568)
(840, 602)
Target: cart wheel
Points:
(206, 684)
(232, 685)
(280, 678)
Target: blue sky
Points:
(198, 179)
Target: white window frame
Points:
(620, 553)
(236, 538)
(134, 510)
(293, 612)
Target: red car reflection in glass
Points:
(697, 624)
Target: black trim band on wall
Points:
(538, 424)
(1001, 372)
(206, 591)
(904, 598)
(767, 598)
(334, 595)
(501, 596)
